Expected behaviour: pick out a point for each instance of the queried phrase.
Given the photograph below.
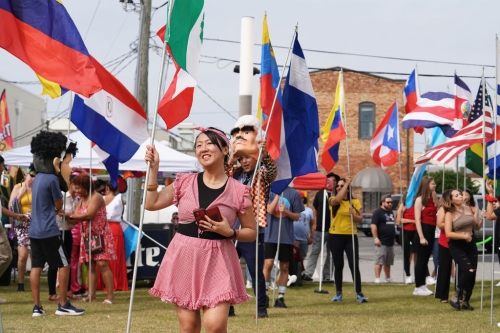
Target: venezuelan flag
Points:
(42, 35)
(333, 131)
(269, 81)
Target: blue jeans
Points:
(247, 251)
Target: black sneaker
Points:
(38, 311)
(262, 312)
(81, 292)
(280, 303)
(306, 278)
(68, 310)
(231, 311)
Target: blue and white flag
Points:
(111, 118)
(130, 233)
(437, 137)
(301, 124)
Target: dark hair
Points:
(49, 145)
(31, 168)
(335, 209)
(111, 187)
(83, 180)
(99, 183)
(1, 159)
(215, 139)
(423, 190)
(331, 174)
(304, 200)
(447, 200)
(402, 201)
(384, 197)
(472, 202)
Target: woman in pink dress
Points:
(92, 207)
(201, 270)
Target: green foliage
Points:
(450, 181)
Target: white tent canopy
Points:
(171, 161)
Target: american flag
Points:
(466, 137)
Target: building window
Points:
(371, 201)
(366, 120)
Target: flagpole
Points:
(494, 116)
(90, 229)
(401, 188)
(278, 88)
(148, 170)
(342, 109)
(484, 200)
(320, 290)
(276, 257)
(64, 199)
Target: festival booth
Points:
(171, 163)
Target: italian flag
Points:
(184, 45)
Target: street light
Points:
(237, 70)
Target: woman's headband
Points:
(216, 131)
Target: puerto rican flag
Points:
(112, 119)
(385, 146)
(411, 96)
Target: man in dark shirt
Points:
(317, 230)
(383, 234)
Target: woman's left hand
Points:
(221, 228)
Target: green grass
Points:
(391, 308)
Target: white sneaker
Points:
(409, 280)
(430, 281)
(377, 280)
(249, 284)
(291, 279)
(427, 289)
(421, 292)
(389, 280)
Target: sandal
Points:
(107, 302)
(54, 298)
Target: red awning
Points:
(312, 181)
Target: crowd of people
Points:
(53, 212)
(226, 212)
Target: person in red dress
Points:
(91, 209)
(201, 270)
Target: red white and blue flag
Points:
(411, 95)
(463, 98)
(299, 147)
(112, 118)
(386, 141)
(433, 109)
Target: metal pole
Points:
(320, 290)
(148, 171)
(71, 96)
(246, 65)
(256, 275)
(494, 109)
(484, 146)
(90, 229)
(402, 229)
(342, 108)
(276, 257)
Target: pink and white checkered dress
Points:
(197, 273)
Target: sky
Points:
(447, 31)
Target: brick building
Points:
(367, 99)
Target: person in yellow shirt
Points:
(343, 232)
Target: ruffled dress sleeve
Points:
(178, 187)
(245, 200)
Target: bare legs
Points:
(214, 319)
(21, 262)
(107, 278)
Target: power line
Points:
(213, 100)
(358, 54)
(92, 20)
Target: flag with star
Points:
(385, 146)
(474, 155)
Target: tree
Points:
(450, 181)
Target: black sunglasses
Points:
(32, 175)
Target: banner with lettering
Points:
(6, 142)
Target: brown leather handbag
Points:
(96, 244)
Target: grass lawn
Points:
(391, 308)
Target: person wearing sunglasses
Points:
(20, 202)
(383, 237)
(346, 213)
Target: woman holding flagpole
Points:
(341, 237)
(201, 270)
(425, 220)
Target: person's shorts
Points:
(48, 250)
(384, 255)
(285, 255)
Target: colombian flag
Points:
(42, 35)
(269, 81)
(333, 131)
